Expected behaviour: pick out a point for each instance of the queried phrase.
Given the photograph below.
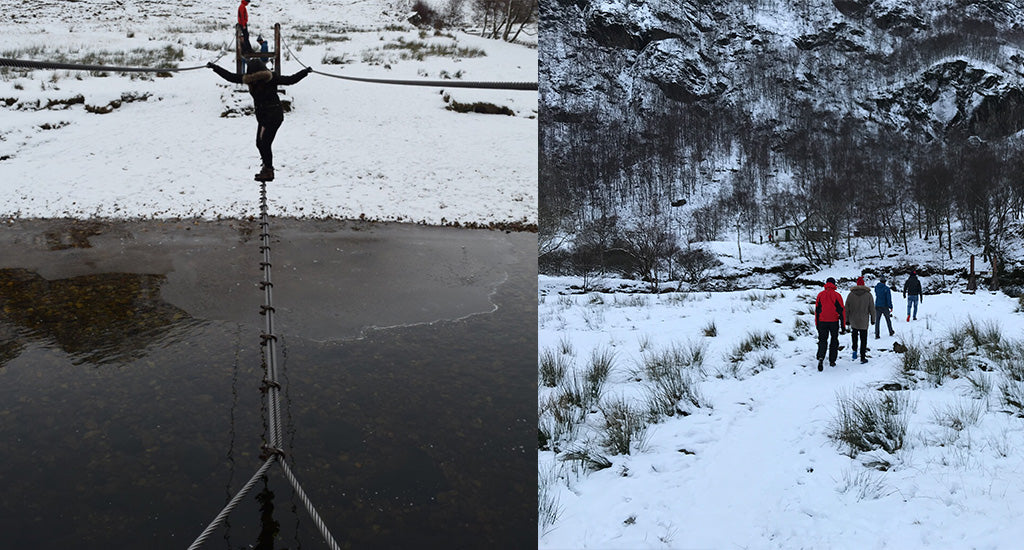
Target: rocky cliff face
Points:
(938, 69)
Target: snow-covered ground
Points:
(347, 149)
(752, 464)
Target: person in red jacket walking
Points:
(829, 319)
(243, 22)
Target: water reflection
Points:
(96, 319)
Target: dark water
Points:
(130, 367)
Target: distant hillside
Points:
(883, 118)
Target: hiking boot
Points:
(908, 318)
(831, 363)
(821, 365)
(863, 360)
(266, 174)
(892, 333)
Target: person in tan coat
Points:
(860, 314)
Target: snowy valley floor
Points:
(752, 463)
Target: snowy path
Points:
(757, 469)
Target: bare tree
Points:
(505, 19)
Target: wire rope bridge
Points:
(272, 449)
(240, 56)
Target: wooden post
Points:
(972, 280)
(238, 49)
(277, 49)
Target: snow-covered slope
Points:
(346, 149)
(754, 464)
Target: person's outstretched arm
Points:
(225, 74)
(286, 80)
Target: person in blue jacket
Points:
(883, 306)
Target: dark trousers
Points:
(883, 312)
(824, 331)
(863, 334)
(269, 121)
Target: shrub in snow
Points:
(866, 422)
(624, 426)
(710, 330)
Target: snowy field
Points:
(714, 429)
(184, 146)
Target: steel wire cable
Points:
(431, 83)
(232, 504)
(309, 507)
(31, 64)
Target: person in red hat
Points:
(829, 319)
(860, 314)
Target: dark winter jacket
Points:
(913, 286)
(860, 308)
(262, 84)
(829, 306)
(883, 296)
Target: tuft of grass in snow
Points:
(690, 355)
(981, 385)
(587, 458)
(764, 361)
(802, 327)
(557, 420)
(911, 360)
(633, 300)
(710, 330)
(867, 422)
(565, 346)
(625, 427)
(865, 485)
(548, 507)
(672, 388)
(575, 391)
(593, 318)
(754, 341)
(601, 362)
(960, 415)
(986, 336)
(420, 50)
(756, 297)
(552, 368)
(678, 298)
(940, 364)
(1011, 389)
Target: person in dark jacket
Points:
(912, 292)
(883, 306)
(269, 113)
(860, 314)
(829, 319)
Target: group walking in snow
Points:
(860, 310)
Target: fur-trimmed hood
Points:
(257, 77)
